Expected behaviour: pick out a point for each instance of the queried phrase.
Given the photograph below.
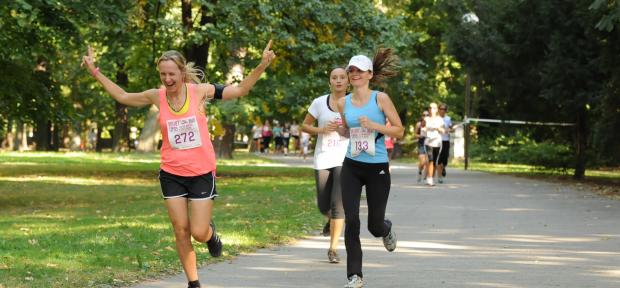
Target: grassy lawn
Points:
(89, 220)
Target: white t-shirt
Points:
(330, 148)
(433, 137)
(294, 130)
(257, 131)
(447, 123)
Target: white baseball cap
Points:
(361, 62)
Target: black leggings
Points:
(329, 192)
(376, 178)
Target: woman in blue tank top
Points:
(366, 164)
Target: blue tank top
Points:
(372, 111)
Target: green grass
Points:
(88, 220)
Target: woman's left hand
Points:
(268, 55)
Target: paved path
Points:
(478, 230)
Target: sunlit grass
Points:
(89, 219)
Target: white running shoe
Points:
(429, 181)
(355, 282)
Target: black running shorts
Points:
(200, 187)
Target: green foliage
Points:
(522, 149)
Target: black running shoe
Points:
(443, 172)
(215, 243)
(193, 284)
(326, 229)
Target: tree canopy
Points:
(545, 60)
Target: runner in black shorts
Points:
(187, 155)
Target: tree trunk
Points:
(149, 135)
(581, 134)
(42, 134)
(55, 140)
(21, 137)
(120, 139)
(197, 52)
(227, 144)
(7, 143)
(98, 144)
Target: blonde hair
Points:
(191, 73)
(384, 66)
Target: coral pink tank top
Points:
(186, 149)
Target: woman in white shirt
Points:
(329, 154)
(434, 129)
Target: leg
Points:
(178, 213)
(337, 211)
(351, 191)
(201, 211)
(377, 193)
(323, 184)
(430, 167)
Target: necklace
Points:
(170, 104)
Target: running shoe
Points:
(193, 284)
(440, 180)
(333, 256)
(429, 181)
(215, 243)
(419, 177)
(443, 172)
(355, 282)
(326, 229)
(389, 240)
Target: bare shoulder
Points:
(382, 96)
(205, 90)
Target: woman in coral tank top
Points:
(187, 174)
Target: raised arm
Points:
(244, 87)
(131, 99)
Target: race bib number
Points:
(362, 139)
(331, 141)
(184, 133)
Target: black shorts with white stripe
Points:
(200, 187)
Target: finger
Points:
(90, 51)
(268, 45)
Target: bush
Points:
(521, 149)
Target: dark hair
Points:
(384, 66)
(336, 67)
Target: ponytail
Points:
(193, 74)
(384, 66)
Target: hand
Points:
(331, 126)
(268, 55)
(89, 60)
(365, 122)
